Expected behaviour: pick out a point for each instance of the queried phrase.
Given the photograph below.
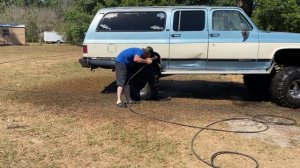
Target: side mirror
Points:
(245, 31)
(244, 27)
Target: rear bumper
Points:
(83, 62)
(88, 62)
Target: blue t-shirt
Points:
(127, 56)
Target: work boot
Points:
(121, 104)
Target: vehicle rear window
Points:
(189, 21)
(133, 21)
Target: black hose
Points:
(261, 119)
(137, 72)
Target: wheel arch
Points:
(287, 57)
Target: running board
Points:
(230, 72)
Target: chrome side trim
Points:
(203, 72)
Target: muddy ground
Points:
(53, 113)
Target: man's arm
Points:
(138, 59)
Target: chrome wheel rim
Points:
(294, 89)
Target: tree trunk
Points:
(247, 6)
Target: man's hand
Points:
(138, 59)
(148, 60)
(154, 58)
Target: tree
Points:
(76, 24)
(32, 32)
(277, 15)
(247, 6)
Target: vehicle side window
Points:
(133, 21)
(244, 20)
(189, 21)
(228, 20)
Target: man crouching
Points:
(124, 63)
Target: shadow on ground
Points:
(200, 89)
(78, 91)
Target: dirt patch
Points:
(278, 135)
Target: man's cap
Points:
(148, 50)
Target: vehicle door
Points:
(233, 41)
(188, 39)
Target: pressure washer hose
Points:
(137, 72)
(265, 120)
(261, 119)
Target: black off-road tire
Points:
(145, 93)
(285, 87)
(140, 89)
(258, 85)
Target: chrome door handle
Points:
(176, 35)
(214, 35)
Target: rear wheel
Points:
(140, 90)
(144, 86)
(145, 92)
(285, 87)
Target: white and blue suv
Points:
(200, 40)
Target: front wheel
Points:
(285, 87)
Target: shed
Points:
(12, 34)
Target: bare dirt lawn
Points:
(53, 113)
